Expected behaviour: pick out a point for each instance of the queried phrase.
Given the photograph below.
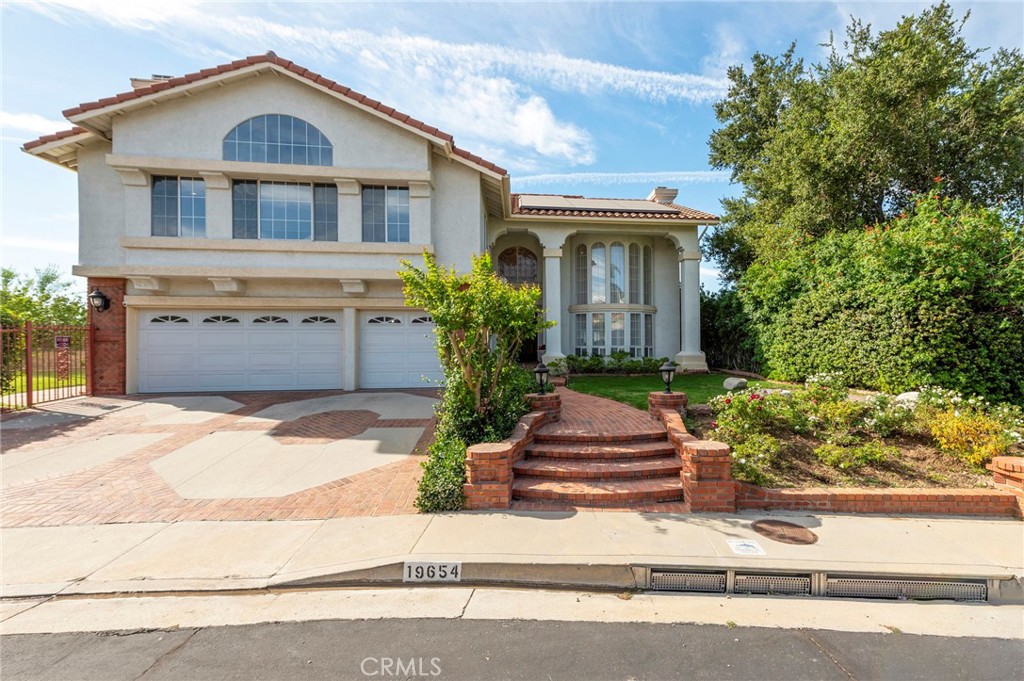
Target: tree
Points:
(45, 298)
(850, 141)
(480, 320)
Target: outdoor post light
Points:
(98, 300)
(541, 372)
(668, 372)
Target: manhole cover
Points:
(781, 531)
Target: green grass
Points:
(632, 390)
(47, 380)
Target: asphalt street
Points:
(509, 649)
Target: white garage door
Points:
(397, 350)
(185, 351)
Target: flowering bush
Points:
(752, 459)
(885, 415)
(854, 458)
(970, 434)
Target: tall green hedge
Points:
(726, 333)
(932, 297)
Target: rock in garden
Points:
(909, 398)
(733, 383)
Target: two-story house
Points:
(247, 222)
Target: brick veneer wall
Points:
(708, 486)
(1008, 473)
(489, 464)
(108, 339)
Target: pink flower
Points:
(728, 400)
(714, 424)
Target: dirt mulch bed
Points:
(918, 465)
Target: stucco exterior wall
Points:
(456, 204)
(194, 127)
(101, 212)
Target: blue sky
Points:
(604, 100)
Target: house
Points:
(247, 221)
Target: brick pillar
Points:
(489, 474)
(108, 339)
(1008, 473)
(549, 403)
(657, 401)
(707, 479)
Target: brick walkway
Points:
(128, 490)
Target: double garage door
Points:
(186, 351)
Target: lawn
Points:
(45, 380)
(632, 390)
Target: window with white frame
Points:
(178, 206)
(612, 293)
(278, 138)
(386, 214)
(284, 210)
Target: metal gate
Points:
(43, 364)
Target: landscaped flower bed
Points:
(816, 436)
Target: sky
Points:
(599, 99)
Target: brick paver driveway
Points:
(239, 456)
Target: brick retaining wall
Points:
(489, 464)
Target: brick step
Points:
(599, 451)
(570, 469)
(590, 437)
(598, 493)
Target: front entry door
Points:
(518, 265)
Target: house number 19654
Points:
(432, 572)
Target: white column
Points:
(553, 303)
(350, 348)
(690, 358)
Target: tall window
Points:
(179, 206)
(598, 276)
(634, 274)
(582, 266)
(617, 274)
(277, 138)
(648, 275)
(284, 210)
(386, 214)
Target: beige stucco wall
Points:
(456, 204)
(101, 210)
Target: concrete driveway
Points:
(241, 456)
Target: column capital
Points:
(687, 254)
(552, 252)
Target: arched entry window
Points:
(518, 265)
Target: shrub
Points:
(885, 416)
(752, 459)
(932, 297)
(970, 435)
(854, 458)
(726, 332)
(617, 363)
(13, 351)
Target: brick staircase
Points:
(594, 469)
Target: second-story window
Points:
(284, 210)
(178, 206)
(277, 138)
(386, 214)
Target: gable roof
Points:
(95, 117)
(574, 205)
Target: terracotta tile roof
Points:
(680, 212)
(46, 139)
(271, 58)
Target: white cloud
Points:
(652, 178)
(730, 49)
(138, 14)
(30, 123)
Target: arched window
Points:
(277, 138)
(648, 275)
(617, 274)
(582, 265)
(518, 265)
(598, 275)
(634, 274)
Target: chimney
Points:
(139, 83)
(663, 194)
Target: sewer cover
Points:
(786, 533)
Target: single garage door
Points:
(397, 350)
(186, 351)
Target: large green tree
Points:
(849, 141)
(43, 298)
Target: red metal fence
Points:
(43, 363)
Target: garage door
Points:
(185, 351)
(397, 350)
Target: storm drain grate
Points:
(707, 582)
(905, 589)
(772, 584)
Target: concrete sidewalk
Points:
(582, 549)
